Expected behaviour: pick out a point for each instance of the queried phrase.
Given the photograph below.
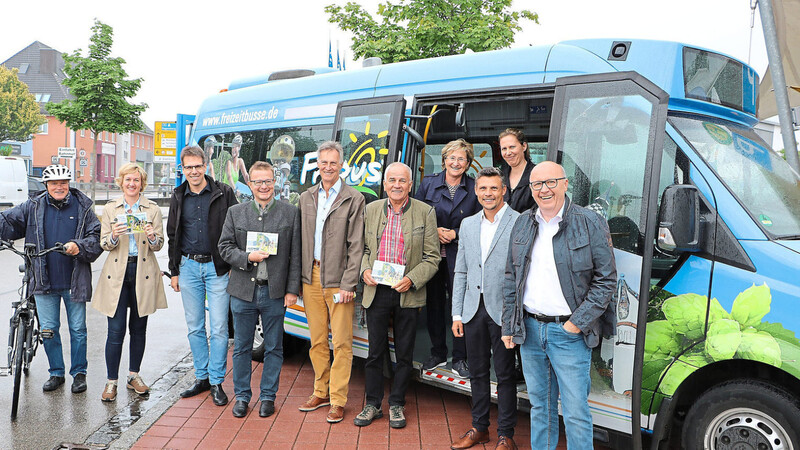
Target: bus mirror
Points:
(679, 219)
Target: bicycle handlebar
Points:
(30, 249)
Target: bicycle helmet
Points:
(56, 172)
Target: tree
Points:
(101, 91)
(416, 29)
(19, 112)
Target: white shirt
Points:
(324, 202)
(488, 230)
(542, 294)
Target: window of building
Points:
(45, 98)
(83, 133)
(43, 128)
(37, 97)
(23, 68)
(92, 135)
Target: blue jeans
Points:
(554, 361)
(245, 317)
(48, 307)
(198, 282)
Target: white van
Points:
(13, 182)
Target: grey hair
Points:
(332, 145)
(398, 163)
(193, 150)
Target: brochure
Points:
(387, 273)
(266, 242)
(135, 221)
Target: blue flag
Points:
(338, 62)
(344, 58)
(330, 54)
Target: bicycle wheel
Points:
(19, 356)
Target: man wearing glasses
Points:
(559, 280)
(261, 241)
(196, 213)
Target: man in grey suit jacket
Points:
(478, 307)
(261, 284)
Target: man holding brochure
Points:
(333, 243)
(401, 253)
(261, 241)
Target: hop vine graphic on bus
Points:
(675, 347)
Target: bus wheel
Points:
(258, 342)
(743, 414)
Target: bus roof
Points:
(255, 103)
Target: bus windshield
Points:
(762, 181)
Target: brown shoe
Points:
(471, 438)
(109, 392)
(505, 443)
(136, 384)
(336, 414)
(313, 403)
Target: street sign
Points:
(164, 159)
(164, 143)
(54, 160)
(66, 152)
(84, 162)
(82, 153)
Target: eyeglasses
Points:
(551, 183)
(259, 183)
(193, 168)
(456, 159)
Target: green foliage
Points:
(759, 346)
(19, 112)
(723, 339)
(6, 150)
(101, 89)
(751, 305)
(676, 347)
(416, 29)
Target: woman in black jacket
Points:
(516, 170)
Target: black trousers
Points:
(439, 292)
(483, 335)
(386, 305)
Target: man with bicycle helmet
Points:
(60, 214)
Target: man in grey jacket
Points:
(477, 307)
(263, 282)
(560, 277)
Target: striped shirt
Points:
(391, 248)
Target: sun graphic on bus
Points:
(365, 163)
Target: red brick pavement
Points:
(435, 417)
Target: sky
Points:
(186, 51)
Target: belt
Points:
(548, 319)
(316, 263)
(199, 258)
(262, 282)
(132, 259)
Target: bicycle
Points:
(23, 333)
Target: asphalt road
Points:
(46, 420)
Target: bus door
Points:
(370, 133)
(608, 132)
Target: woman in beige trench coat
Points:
(131, 277)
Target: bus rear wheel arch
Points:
(743, 414)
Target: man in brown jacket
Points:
(332, 224)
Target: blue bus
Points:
(704, 216)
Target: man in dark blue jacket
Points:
(59, 215)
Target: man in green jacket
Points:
(400, 242)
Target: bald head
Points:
(549, 188)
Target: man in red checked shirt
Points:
(401, 232)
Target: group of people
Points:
(502, 260)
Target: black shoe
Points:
(79, 383)
(53, 383)
(461, 368)
(433, 362)
(200, 386)
(267, 408)
(218, 395)
(239, 409)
